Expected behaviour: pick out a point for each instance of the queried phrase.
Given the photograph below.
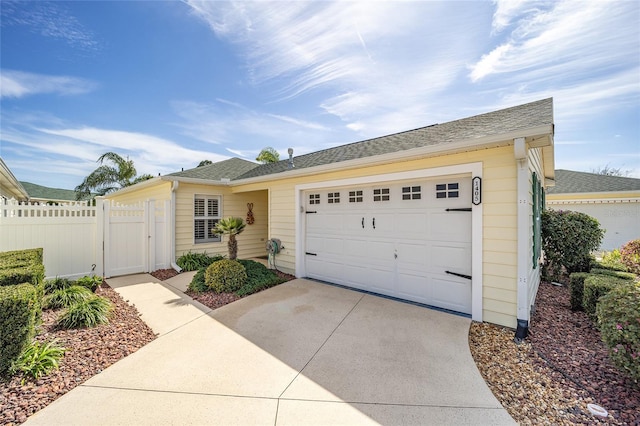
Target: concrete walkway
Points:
(300, 353)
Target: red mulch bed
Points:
(89, 351)
(571, 345)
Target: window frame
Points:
(205, 218)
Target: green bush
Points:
(619, 274)
(596, 286)
(630, 255)
(195, 261)
(19, 308)
(198, 284)
(611, 260)
(56, 284)
(225, 276)
(38, 359)
(66, 297)
(22, 266)
(258, 278)
(568, 238)
(576, 288)
(619, 322)
(86, 313)
(90, 282)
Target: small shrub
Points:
(619, 322)
(611, 260)
(576, 287)
(38, 359)
(619, 274)
(596, 286)
(90, 282)
(258, 278)
(225, 276)
(630, 255)
(87, 313)
(56, 284)
(66, 297)
(196, 261)
(568, 238)
(19, 307)
(198, 284)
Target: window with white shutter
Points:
(206, 213)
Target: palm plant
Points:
(230, 226)
(109, 177)
(268, 155)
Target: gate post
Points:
(150, 225)
(102, 226)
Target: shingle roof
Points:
(500, 122)
(46, 193)
(227, 169)
(570, 182)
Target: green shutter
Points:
(538, 205)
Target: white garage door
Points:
(410, 240)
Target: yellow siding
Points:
(159, 192)
(499, 210)
(251, 242)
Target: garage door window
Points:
(381, 194)
(411, 192)
(206, 213)
(333, 198)
(447, 190)
(314, 198)
(355, 196)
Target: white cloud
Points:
(572, 37)
(18, 84)
(51, 20)
(366, 59)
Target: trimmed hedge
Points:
(619, 323)
(576, 287)
(21, 266)
(19, 309)
(619, 274)
(596, 286)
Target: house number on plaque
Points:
(476, 184)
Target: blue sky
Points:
(169, 84)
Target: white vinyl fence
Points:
(107, 239)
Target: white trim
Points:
(523, 230)
(475, 169)
(592, 201)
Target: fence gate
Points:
(135, 237)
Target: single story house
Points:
(446, 215)
(614, 201)
(10, 187)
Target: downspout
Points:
(520, 153)
(174, 187)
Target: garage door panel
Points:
(414, 256)
(324, 269)
(449, 226)
(414, 287)
(454, 294)
(380, 251)
(357, 248)
(355, 223)
(453, 258)
(411, 225)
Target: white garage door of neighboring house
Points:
(410, 240)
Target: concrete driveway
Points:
(300, 353)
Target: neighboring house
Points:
(43, 195)
(614, 201)
(446, 215)
(10, 187)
